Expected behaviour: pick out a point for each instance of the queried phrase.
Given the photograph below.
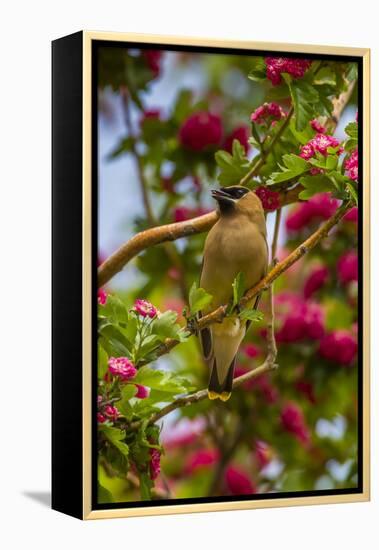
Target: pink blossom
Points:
(238, 481)
(203, 458)
(183, 213)
(264, 385)
(122, 367)
(150, 114)
(315, 280)
(320, 206)
(267, 112)
(250, 351)
(145, 308)
(263, 453)
(299, 319)
(99, 399)
(339, 346)
(317, 127)
(200, 131)
(351, 165)
(101, 418)
(153, 60)
(307, 389)
(241, 134)
(275, 66)
(352, 215)
(347, 267)
(319, 143)
(142, 392)
(111, 412)
(101, 297)
(270, 199)
(293, 421)
(155, 463)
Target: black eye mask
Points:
(235, 192)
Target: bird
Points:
(237, 243)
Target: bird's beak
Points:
(222, 196)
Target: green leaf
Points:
(304, 96)
(161, 380)
(124, 146)
(103, 495)
(258, 70)
(315, 184)
(116, 437)
(114, 310)
(183, 106)
(145, 486)
(102, 361)
(232, 167)
(251, 314)
(116, 340)
(239, 287)
(294, 166)
(352, 130)
(165, 326)
(198, 299)
(352, 71)
(326, 75)
(351, 186)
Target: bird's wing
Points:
(205, 334)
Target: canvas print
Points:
(228, 247)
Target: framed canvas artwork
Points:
(210, 275)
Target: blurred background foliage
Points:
(162, 118)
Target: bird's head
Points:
(237, 199)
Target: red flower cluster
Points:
(142, 391)
(267, 113)
(317, 127)
(339, 346)
(155, 463)
(145, 308)
(182, 213)
(241, 134)
(238, 481)
(101, 297)
(203, 458)
(315, 280)
(275, 66)
(293, 421)
(270, 199)
(351, 165)
(250, 351)
(320, 206)
(263, 453)
(262, 383)
(200, 131)
(153, 60)
(352, 215)
(347, 267)
(319, 143)
(121, 367)
(299, 319)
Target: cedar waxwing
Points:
(236, 243)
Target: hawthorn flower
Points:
(347, 267)
(293, 421)
(238, 481)
(102, 297)
(275, 66)
(352, 215)
(299, 319)
(200, 131)
(153, 60)
(201, 459)
(250, 351)
(111, 412)
(183, 213)
(320, 206)
(101, 418)
(351, 165)
(155, 463)
(241, 134)
(315, 280)
(263, 453)
(339, 346)
(145, 308)
(267, 112)
(317, 127)
(270, 199)
(319, 143)
(99, 399)
(142, 391)
(121, 367)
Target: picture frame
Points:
(75, 250)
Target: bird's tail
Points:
(221, 390)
